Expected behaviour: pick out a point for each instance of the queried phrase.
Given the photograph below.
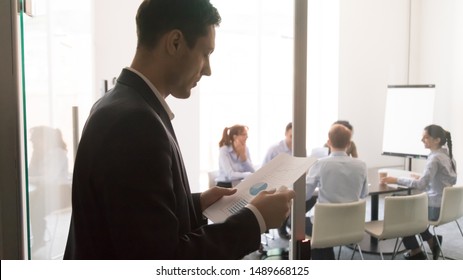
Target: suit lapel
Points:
(133, 80)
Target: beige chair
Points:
(338, 224)
(211, 176)
(403, 216)
(451, 210)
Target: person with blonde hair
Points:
(234, 158)
(338, 177)
(352, 148)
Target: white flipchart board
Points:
(409, 109)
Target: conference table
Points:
(376, 189)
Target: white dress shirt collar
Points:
(155, 91)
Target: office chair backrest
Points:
(338, 224)
(452, 205)
(211, 176)
(405, 215)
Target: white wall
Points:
(456, 89)
(374, 42)
(322, 70)
(373, 53)
(374, 46)
(437, 57)
(115, 39)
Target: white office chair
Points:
(212, 175)
(338, 224)
(403, 216)
(451, 210)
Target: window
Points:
(252, 75)
(57, 59)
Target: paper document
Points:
(396, 186)
(283, 170)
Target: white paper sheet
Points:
(283, 170)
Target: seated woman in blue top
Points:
(234, 159)
(439, 172)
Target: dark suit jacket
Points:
(131, 198)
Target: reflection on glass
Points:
(58, 75)
(49, 185)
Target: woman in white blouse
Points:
(439, 172)
(234, 158)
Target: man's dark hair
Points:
(191, 17)
(436, 131)
(345, 123)
(289, 126)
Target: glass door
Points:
(69, 47)
(57, 80)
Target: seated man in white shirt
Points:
(339, 178)
(283, 146)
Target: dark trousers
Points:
(410, 242)
(225, 184)
(323, 254)
(308, 205)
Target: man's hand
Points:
(213, 194)
(239, 145)
(389, 180)
(274, 205)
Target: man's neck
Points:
(143, 63)
(337, 150)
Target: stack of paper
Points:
(283, 170)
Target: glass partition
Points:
(252, 84)
(57, 59)
(253, 75)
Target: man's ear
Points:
(329, 143)
(174, 41)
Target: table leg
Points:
(374, 215)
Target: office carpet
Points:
(452, 243)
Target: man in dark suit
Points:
(131, 198)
